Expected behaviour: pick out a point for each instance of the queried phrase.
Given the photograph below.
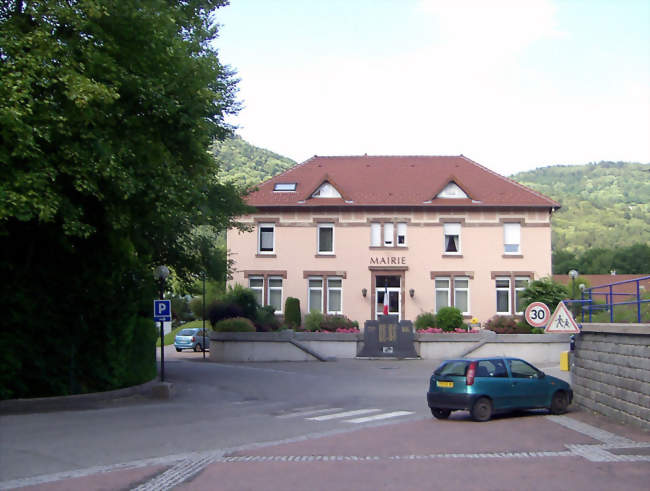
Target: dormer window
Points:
(285, 187)
(326, 190)
(453, 191)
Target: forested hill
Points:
(248, 165)
(604, 205)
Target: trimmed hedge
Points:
(292, 315)
(235, 324)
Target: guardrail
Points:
(588, 299)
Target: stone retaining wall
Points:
(611, 371)
(308, 346)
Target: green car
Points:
(486, 386)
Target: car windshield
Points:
(186, 332)
(454, 368)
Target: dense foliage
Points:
(546, 291)
(107, 110)
(425, 320)
(449, 318)
(235, 324)
(603, 205)
(247, 165)
(634, 259)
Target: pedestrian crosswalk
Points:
(350, 416)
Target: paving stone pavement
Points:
(520, 452)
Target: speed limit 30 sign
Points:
(537, 314)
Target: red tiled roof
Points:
(397, 181)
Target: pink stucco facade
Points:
(481, 277)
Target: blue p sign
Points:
(162, 310)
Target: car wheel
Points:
(440, 413)
(560, 402)
(197, 347)
(179, 350)
(482, 409)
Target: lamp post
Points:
(160, 274)
(573, 274)
(203, 315)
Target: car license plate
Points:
(441, 383)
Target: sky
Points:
(511, 84)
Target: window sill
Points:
(512, 256)
(450, 254)
(325, 255)
(265, 255)
(388, 248)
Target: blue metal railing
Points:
(588, 305)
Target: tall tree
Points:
(107, 111)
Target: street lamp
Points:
(160, 274)
(203, 315)
(573, 274)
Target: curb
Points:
(154, 389)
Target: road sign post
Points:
(562, 320)
(537, 314)
(162, 312)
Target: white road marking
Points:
(394, 414)
(345, 414)
(308, 412)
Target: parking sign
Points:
(162, 310)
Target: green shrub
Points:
(507, 324)
(314, 320)
(544, 290)
(235, 324)
(425, 320)
(333, 322)
(266, 319)
(449, 318)
(218, 311)
(244, 298)
(292, 315)
(537, 330)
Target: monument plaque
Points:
(388, 338)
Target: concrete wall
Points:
(611, 371)
(302, 346)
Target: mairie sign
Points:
(162, 310)
(562, 320)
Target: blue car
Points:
(191, 338)
(485, 386)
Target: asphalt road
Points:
(349, 424)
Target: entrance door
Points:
(390, 284)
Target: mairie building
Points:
(340, 233)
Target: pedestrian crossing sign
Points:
(562, 320)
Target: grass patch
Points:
(169, 338)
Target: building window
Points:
(266, 238)
(442, 293)
(275, 294)
(388, 235)
(315, 294)
(334, 296)
(284, 186)
(256, 284)
(401, 235)
(503, 295)
(512, 238)
(461, 294)
(375, 234)
(452, 238)
(325, 238)
(383, 234)
(520, 285)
